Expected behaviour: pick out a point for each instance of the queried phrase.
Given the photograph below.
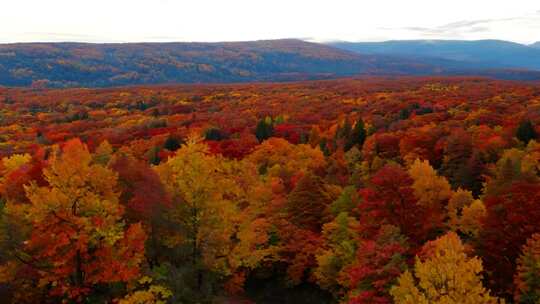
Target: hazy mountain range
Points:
(479, 54)
(536, 45)
(103, 65)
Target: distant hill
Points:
(102, 65)
(535, 45)
(478, 54)
(105, 65)
(95, 65)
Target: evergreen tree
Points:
(525, 132)
(172, 143)
(357, 136)
(323, 145)
(153, 156)
(213, 134)
(264, 130)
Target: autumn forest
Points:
(366, 190)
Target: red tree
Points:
(379, 261)
(511, 219)
(390, 200)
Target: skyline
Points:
(240, 20)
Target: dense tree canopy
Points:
(415, 190)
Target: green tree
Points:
(264, 129)
(172, 143)
(357, 136)
(337, 252)
(213, 134)
(346, 202)
(527, 278)
(526, 132)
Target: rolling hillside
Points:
(102, 65)
(107, 65)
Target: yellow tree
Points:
(430, 189)
(147, 292)
(444, 275)
(9, 165)
(202, 187)
(276, 157)
(253, 244)
(13, 162)
(103, 153)
(215, 224)
(514, 165)
(465, 213)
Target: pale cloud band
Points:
(469, 28)
(234, 20)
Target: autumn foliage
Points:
(443, 274)
(411, 190)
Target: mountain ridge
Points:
(75, 64)
(481, 53)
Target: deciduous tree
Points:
(527, 277)
(511, 218)
(390, 200)
(77, 239)
(444, 274)
(380, 259)
(308, 203)
(337, 252)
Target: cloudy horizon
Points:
(239, 20)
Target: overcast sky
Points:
(234, 20)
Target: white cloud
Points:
(517, 28)
(217, 20)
